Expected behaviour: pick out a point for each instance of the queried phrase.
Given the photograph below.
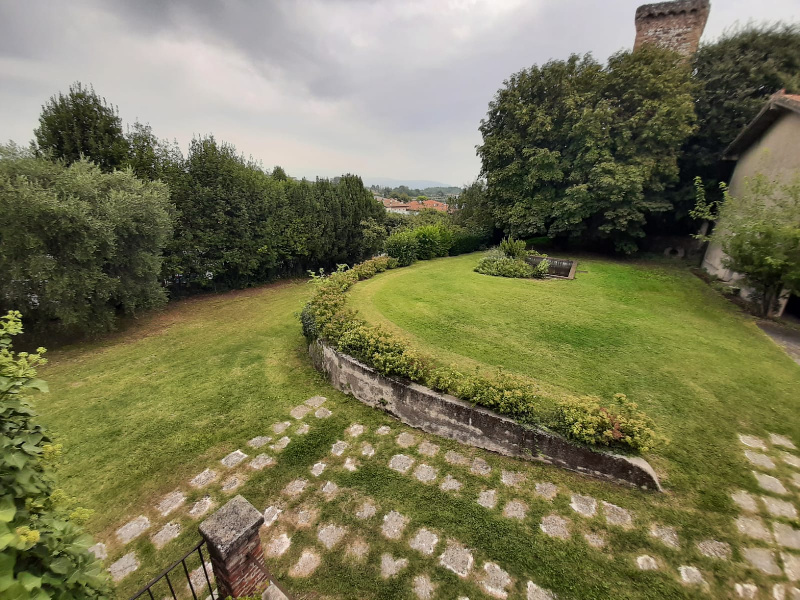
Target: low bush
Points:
(513, 248)
(466, 240)
(433, 241)
(403, 246)
(498, 265)
(618, 424)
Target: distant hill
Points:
(417, 184)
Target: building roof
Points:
(778, 105)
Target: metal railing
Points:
(558, 267)
(167, 581)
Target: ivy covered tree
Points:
(581, 150)
(43, 551)
(81, 123)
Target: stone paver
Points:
(425, 473)
(796, 479)
(770, 483)
(315, 401)
(759, 460)
(166, 534)
(201, 507)
(428, 449)
(339, 447)
(322, 413)
(791, 566)
(232, 482)
(457, 559)
(616, 515)
(170, 502)
(123, 567)
(646, 563)
(262, 461)
(383, 430)
(762, 559)
(450, 484)
(786, 535)
(393, 525)
(495, 580)
(746, 590)
(423, 587)
(132, 529)
(487, 498)
(278, 545)
(454, 458)
(99, 551)
(779, 508)
(406, 440)
(330, 535)
(273, 593)
(782, 440)
(546, 490)
(515, 509)
(714, 549)
(357, 549)
(401, 463)
(424, 541)
(203, 479)
(198, 577)
(330, 489)
(781, 591)
(303, 429)
(512, 478)
(480, 467)
(752, 441)
(691, 575)
(350, 464)
(296, 487)
(595, 540)
(318, 468)
(534, 592)
(790, 459)
(281, 427)
(665, 534)
(298, 412)
(259, 441)
(280, 444)
(753, 527)
(366, 511)
(354, 430)
(745, 501)
(391, 566)
(367, 450)
(304, 517)
(555, 526)
(271, 514)
(306, 565)
(586, 506)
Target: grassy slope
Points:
(703, 370)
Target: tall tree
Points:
(81, 123)
(576, 149)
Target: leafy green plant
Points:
(498, 265)
(433, 241)
(43, 552)
(512, 248)
(403, 246)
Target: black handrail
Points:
(147, 589)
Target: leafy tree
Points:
(149, 157)
(78, 246)
(43, 552)
(81, 123)
(759, 232)
(279, 174)
(472, 209)
(374, 234)
(576, 149)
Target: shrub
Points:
(494, 263)
(402, 246)
(465, 241)
(433, 241)
(541, 270)
(513, 248)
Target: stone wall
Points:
(676, 25)
(450, 417)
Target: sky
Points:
(382, 88)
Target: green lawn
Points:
(141, 412)
(655, 332)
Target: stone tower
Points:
(675, 25)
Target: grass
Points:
(695, 363)
(141, 412)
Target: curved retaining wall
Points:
(448, 416)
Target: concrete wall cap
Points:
(231, 526)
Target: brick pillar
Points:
(235, 549)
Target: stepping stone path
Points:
(330, 489)
(762, 559)
(318, 468)
(278, 545)
(201, 507)
(366, 511)
(357, 549)
(339, 447)
(487, 498)
(425, 473)
(555, 526)
(258, 442)
(515, 509)
(746, 590)
(296, 487)
(595, 540)
(393, 525)
(280, 444)
(782, 440)
(170, 502)
(790, 459)
(691, 575)
(354, 430)
(753, 442)
(546, 490)
(406, 440)
(99, 551)
(322, 413)
(203, 479)
(495, 580)
(367, 450)
(480, 467)
(714, 549)
(786, 535)
(166, 534)
(383, 430)
(770, 483)
(753, 527)
(330, 535)
(281, 427)
(512, 478)
(779, 508)
(428, 449)
(745, 501)
(133, 529)
(456, 558)
(424, 541)
(233, 459)
(262, 461)
(350, 464)
(646, 563)
(298, 412)
(449, 484)
(423, 587)
(401, 463)
(791, 566)
(232, 482)
(306, 565)
(616, 515)
(302, 429)
(304, 517)
(271, 514)
(391, 566)
(316, 401)
(586, 506)
(760, 460)
(539, 593)
(454, 458)
(123, 567)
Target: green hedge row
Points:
(432, 241)
(616, 423)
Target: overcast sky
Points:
(379, 88)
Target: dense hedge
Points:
(428, 241)
(617, 423)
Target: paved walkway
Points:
(786, 337)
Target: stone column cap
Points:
(231, 526)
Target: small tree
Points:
(43, 552)
(759, 232)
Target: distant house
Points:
(411, 208)
(769, 145)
